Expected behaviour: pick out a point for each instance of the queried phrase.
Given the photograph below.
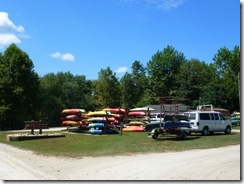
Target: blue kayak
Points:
(96, 125)
(95, 131)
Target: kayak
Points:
(136, 113)
(71, 123)
(136, 123)
(98, 113)
(110, 119)
(72, 111)
(115, 110)
(133, 128)
(73, 117)
(100, 131)
(101, 125)
(95, 131)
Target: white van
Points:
(208, 122)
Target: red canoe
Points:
(133, 128)
(71, 123)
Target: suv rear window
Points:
(204, 116)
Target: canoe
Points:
(101, 131)
(73, 117)
(95, 131)
(71, 123)
(115, 110)
(136, 113)
(72, 111)
(101, 125)
(143, 109)
(136, 123)
(133, 128)
(110, 119)
(98, 113)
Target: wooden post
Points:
(106, 122)
(121, 125)
(160, 126)
(148, 113)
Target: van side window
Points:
(204, 116)
(222, 117)
(216, 116)
(212, 116)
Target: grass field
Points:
(81, 144)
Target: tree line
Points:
(24, 95)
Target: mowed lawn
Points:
(84, 144)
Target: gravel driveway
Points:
(210, 164)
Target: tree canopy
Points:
(24, 95)
(19, 86)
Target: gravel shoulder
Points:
(210, 164)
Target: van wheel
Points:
(228, 130)
(205, 131)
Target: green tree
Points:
(19, 86)
(64, 90)
(140, 83)
(194, 75)
(106, 89)
(162, 72)
(227, 67)
(127, 91)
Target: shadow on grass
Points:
(171, 138)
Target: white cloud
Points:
(7, 39)
(159, 4)
(9, 31)
(169, 4)
(121, 69)
(64, 57)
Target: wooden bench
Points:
(36, 125)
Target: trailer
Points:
(180, 129)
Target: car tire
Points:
(228, 130)
(182, 135)
(155, 134)
(205, 131)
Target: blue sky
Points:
(85, 36)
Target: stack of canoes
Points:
(118, 113)
(138, 119)
(105, 121)
(72, 117)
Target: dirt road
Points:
(210, 164)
